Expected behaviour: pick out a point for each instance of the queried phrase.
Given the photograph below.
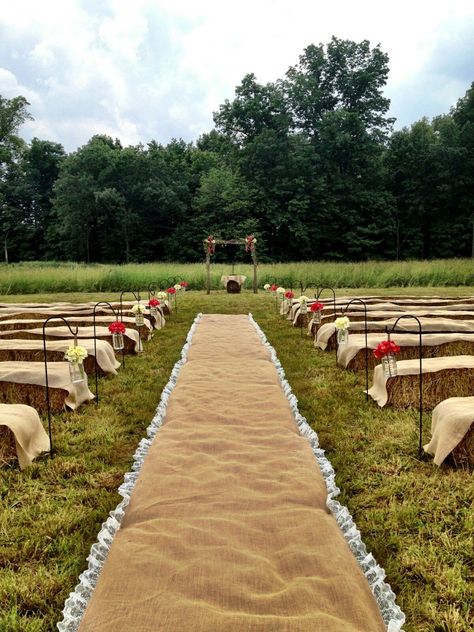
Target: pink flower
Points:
(171, 290)
(384, 348)
(316, 307)
(153, 302)
(289, 294)
(117, 328)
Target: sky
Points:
(139, 70)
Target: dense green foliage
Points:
(309, 164)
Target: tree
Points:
(13, 113)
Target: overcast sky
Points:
(157, 69)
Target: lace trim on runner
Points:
(392, 614)
(77, 601)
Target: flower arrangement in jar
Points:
(342, 325)
(303, 300)
(117, 329)
(386, 351)
(316, 309)
(153, 304)
(138, 309)
(75, 356)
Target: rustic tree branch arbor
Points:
(210, 247)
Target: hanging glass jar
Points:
(77, 372)
(342, 336)
(117, 342)
(139, 319)
(317, 317)
(303, 307)
(389, 364)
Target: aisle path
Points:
(227, 528)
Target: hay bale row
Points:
(8, 454)
(461, 347)
(463, 453)
(30, 355)
(33, 395)
(403, 390)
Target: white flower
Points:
(162, 295)
(139, 309)
(178, 287)
(342, 322)
(304, 299)
(76, 354)
(280, 290)
(266, 287)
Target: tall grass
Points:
(36, 277)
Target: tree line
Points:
(309, 164)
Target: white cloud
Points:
(156, 69)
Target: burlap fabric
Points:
(58, 377)
(102, 333)
(412, 367)
(450, 422)
(105, 354)
(30, 436)
(438, 324)
(238, 278)
(347, 352)
(227, 528)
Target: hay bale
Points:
(463, 453)
(7, 447)
(403, 390)
(461, 347)
(30, 355)
(33, 395)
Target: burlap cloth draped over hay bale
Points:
(452, 431)
(131, 339)
(352, 355)
(23, 383)
(84, 321)
(326, 336)
(22, 426)
(442, 378)
(32, 351)
(227, 528)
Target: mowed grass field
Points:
(416, 518)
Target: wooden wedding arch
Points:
(210, 247)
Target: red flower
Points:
(171, 290)
(117, 328)
(316, 307)
(384, 348)
(184, 284)
(274, 287)
(153, 302)
(289, 294)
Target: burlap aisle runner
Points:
(227, 528)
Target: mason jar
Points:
(77, 372)
(139, 319)
(117, 342)
(389, 364)
(342, 336)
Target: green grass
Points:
(416, 518)
(36, 277)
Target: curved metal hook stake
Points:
(48, 403)
(420, 330)
(334, 304)
(95, 346)
(364, 304)
(152, 290)
(137, 298)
